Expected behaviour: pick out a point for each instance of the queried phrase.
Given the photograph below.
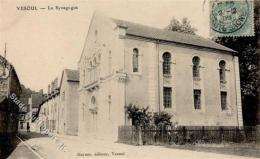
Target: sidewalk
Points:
(23, 151)
(86, 148)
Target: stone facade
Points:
(109, 80)
(68, 108)
(49, 112)
(59, 112)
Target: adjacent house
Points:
(68, 108)
(193, 78)
(34, 102)
(49, 108)
(59, 112)
(10, 116)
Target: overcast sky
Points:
(40, 44)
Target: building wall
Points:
(146, 87)
(63, 106)
(101, 81)
(62, 126)
(68, 108)
(13, 109)
(72, 108)
(106, 76)
(51, 122)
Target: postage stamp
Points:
(231, 18)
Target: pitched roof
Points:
(72, 75)
(170, 36)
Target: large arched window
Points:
(196, 67)
(222, 71)
(166, 63)
(135, 60)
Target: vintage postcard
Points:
(152, 79)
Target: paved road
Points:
(23, 152)
(82, 148)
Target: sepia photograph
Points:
(132, 79)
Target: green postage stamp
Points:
(231, 18)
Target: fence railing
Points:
(185, 135)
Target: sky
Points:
(40, 44)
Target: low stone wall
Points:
(186, 135)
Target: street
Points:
(23, 151)
(78, 148)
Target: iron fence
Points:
(185, 135)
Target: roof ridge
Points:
(146, 31)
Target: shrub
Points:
(140, 116)
(162, 119)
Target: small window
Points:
(196, 67)
(93, 100)
(63, 96)
(96, 34)
(223, 96)
(167, 63)
(83, 111)
(84, 76)
(95, 61)
(109, 61)
(135, 60)
(222, 71)
(167, 97)
(99, 58)
(197, 98)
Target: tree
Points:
(26, 94)
(248, 58)
(184, 26)
(162, 119)
(257, 25)
(140, 116)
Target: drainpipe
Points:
(234, 67)
(159, 87)
(125, 89)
